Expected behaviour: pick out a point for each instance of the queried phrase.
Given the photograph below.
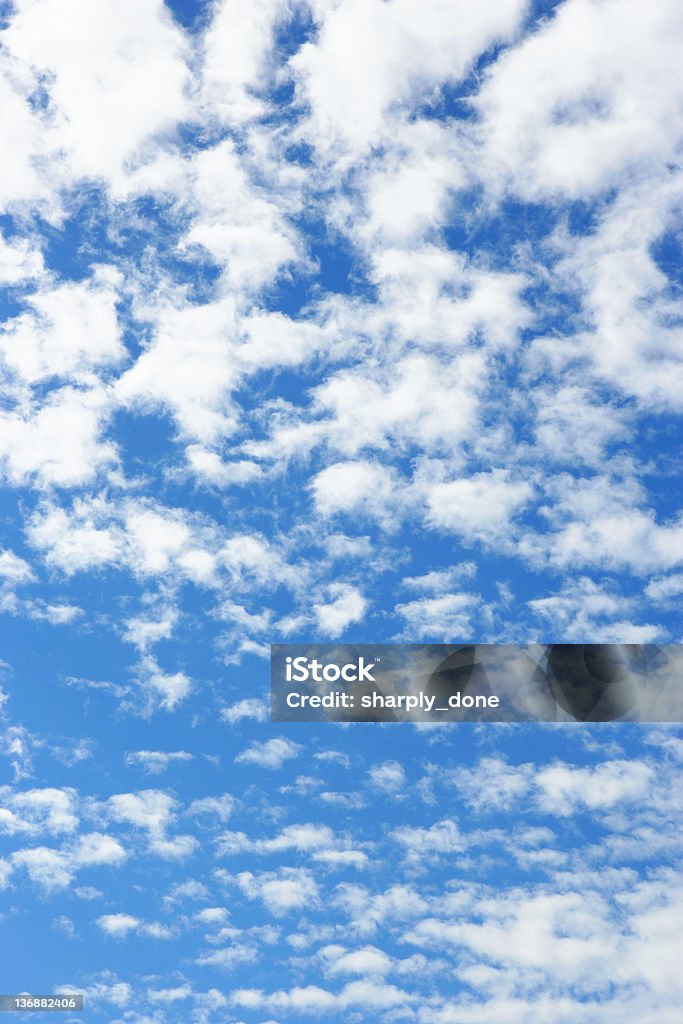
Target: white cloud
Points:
(249, 707)
(5, 872)
(282, 891)
(493, 783)
(478, 507)
(14, 569)
(187, 368)
(366, 995)
(365, 960)
(558, 788)
(270, 754)
(79, 539)
(370, 58)
(211, 469)
(151, 809)
(19, 261)
(38, 810)
(221, 806)
(421, 844)
(389, 777)
(170, 995)
(236, 222)
(237, 46)
(156, 537)
(318, 842)
(601, 521)
(626, 299)
(212, 916)
(154, 762)
(162, 689)
(71, 332)
(585, 611)
(363, 488)
(665, 588)
(65, 925)
(119, 926)
(418, 399)
(575, 426)
(556, 127)
(117, 77)
(59, 441)
(440, 581)
(192, 889)
(105, 986)
(564, 789)
(346, 607)
(333, 756)
(55, 614)
(439, 618)
(20, 180)
(55, 869)
(152, 626)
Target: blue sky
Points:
(338, 319)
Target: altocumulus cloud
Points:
(335, 321)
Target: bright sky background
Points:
(323, 319)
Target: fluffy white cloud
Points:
(371, 57)
(603, 521)
(564, 789)
(345, 607)
(152, 540)
(270, 753)
(666, 588)
(220, 806)
(161, 689)
(584, 612)
(236, 222)
(38, 810)
(70, 332)
(366, 995)
(119, 926)
(55, 868)
(59, 441)
(14, 569)
(318, 842)
(367, 960)
(157, 761)
(282, 891)
(421, 401)
(478, 507)
(150, 809)
(117, 78)
(389, 777)
(362, 488)
(19, 261)
(187, 368)
(237, 45)
(420, 844)
(575, 426)
(250, 707)
(434, 618)
(552, 126)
